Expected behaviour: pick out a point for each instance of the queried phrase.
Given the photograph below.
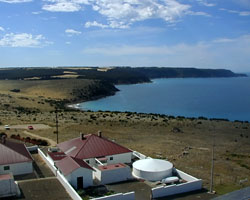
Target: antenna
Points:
(56, 126)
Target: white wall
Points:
(7, 188)
(119, 196)
(191, 185)
(113, 176)
(139, 155)
(81, 172)
(73, 194)
(185, 176)
(18, 168)
(91, 162)
(120, 158)
(176, 189)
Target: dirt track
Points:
(51, 142)
(25, 126)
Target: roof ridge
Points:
(112, 142)
(90, 135)
(12, 150)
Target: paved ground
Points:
(41, 189)
(143, 192)
(196, 195)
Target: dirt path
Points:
(51, 142)
(25, 126)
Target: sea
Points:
(220, 98)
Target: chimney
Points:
(3, 139)
(99, 134)
(82, 137)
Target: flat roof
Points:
(57, 155)
(6, 176)
(111, 167)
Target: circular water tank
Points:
(152, 169)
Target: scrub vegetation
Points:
(186, 142)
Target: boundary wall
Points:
(192, 184)
(119, 196)
(73, 194)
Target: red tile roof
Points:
(92, 146)
(11, 152)
(69, 164)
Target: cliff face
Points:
(93, 91)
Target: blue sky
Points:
(170, 33)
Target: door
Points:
(80, 182)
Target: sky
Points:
(165, 33)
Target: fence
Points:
(73, 194)
(191, 185)
(119, 196)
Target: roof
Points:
(152, 165)
(243, 194)
(6, 176)
(11, 152)
(112, 167)
(57, 155)
(69, 164)
(92, 146)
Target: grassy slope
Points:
(151, 135)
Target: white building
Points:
(8, 186)
(77, 172)
(112, 173)
(95, 150)
(92, 157)
(15, 158)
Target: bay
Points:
(227, 98)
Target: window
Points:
(6, 168)
(111, 158)
(87, 161)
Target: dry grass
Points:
(189, 149)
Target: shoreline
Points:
(75, 106)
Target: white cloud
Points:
(121, 14)
(94, 23)
(62, 6)
(205, 3)
(223, 40)
(2, 29)
(15, 1)
(71, 32)
(36, 12)
(68, 43)
(199, 13)
(244, 13)
(240, 13)
(124, 13)
(230, 53)
(22, 40)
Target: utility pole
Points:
(211, 191)
(56, 127)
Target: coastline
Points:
(217, 116)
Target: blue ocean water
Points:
(227, 98)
